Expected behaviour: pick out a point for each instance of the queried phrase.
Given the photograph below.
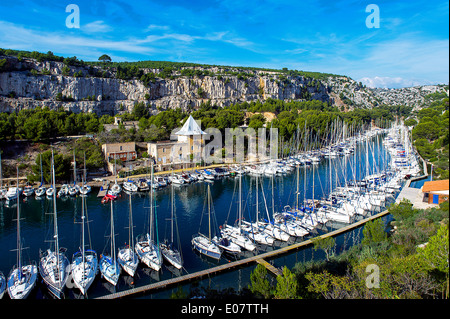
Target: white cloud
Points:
(98, 26)
(153, 27)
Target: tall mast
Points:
(55, 217)
(74, 169)
(113, 243)
(151, 202)
(19, 247)
(130, 221)
(257, 207)
(42, 176)
(82, 232)
(172, 209)
(209, 213)
(240, 202)
(298, 190)
(84, 170)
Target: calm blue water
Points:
(419, 183)
(37, 227)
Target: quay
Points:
(261, 258)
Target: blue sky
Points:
(410, 47)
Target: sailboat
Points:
(204, 244)
(84, 262)
(234, 233)
(54, 266)
(171, 253)
(109, 267)
(22, 278)
(127, 257)
(255, 231)
(146, 248)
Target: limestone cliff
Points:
(28, 83)
(21, 87)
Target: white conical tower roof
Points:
(190, 127)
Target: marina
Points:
(326, 193)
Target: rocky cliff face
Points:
(20, 88)
(27, 83)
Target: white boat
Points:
(143, 186)
(64, 190)
(174, 179)
(127, 258)
(236, 235)
(22, 278)
(130, 186)
(227, 245)
(115, 189)
(12, 193)
(256, 233)
(84, 262)
(85, 189)
(169, 251)
(49, 191)
(72, 190)
(274, 231)
(40, 191)
(54, 267)
(204, 244)
(148, 252)
(207, 174)
(84, 269)
(146, 247)
(109, 267)
(28, 191)
(285, 223)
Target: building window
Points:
(121, 147)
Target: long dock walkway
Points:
(235, 264)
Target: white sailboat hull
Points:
(128, 260)
(20, 288)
